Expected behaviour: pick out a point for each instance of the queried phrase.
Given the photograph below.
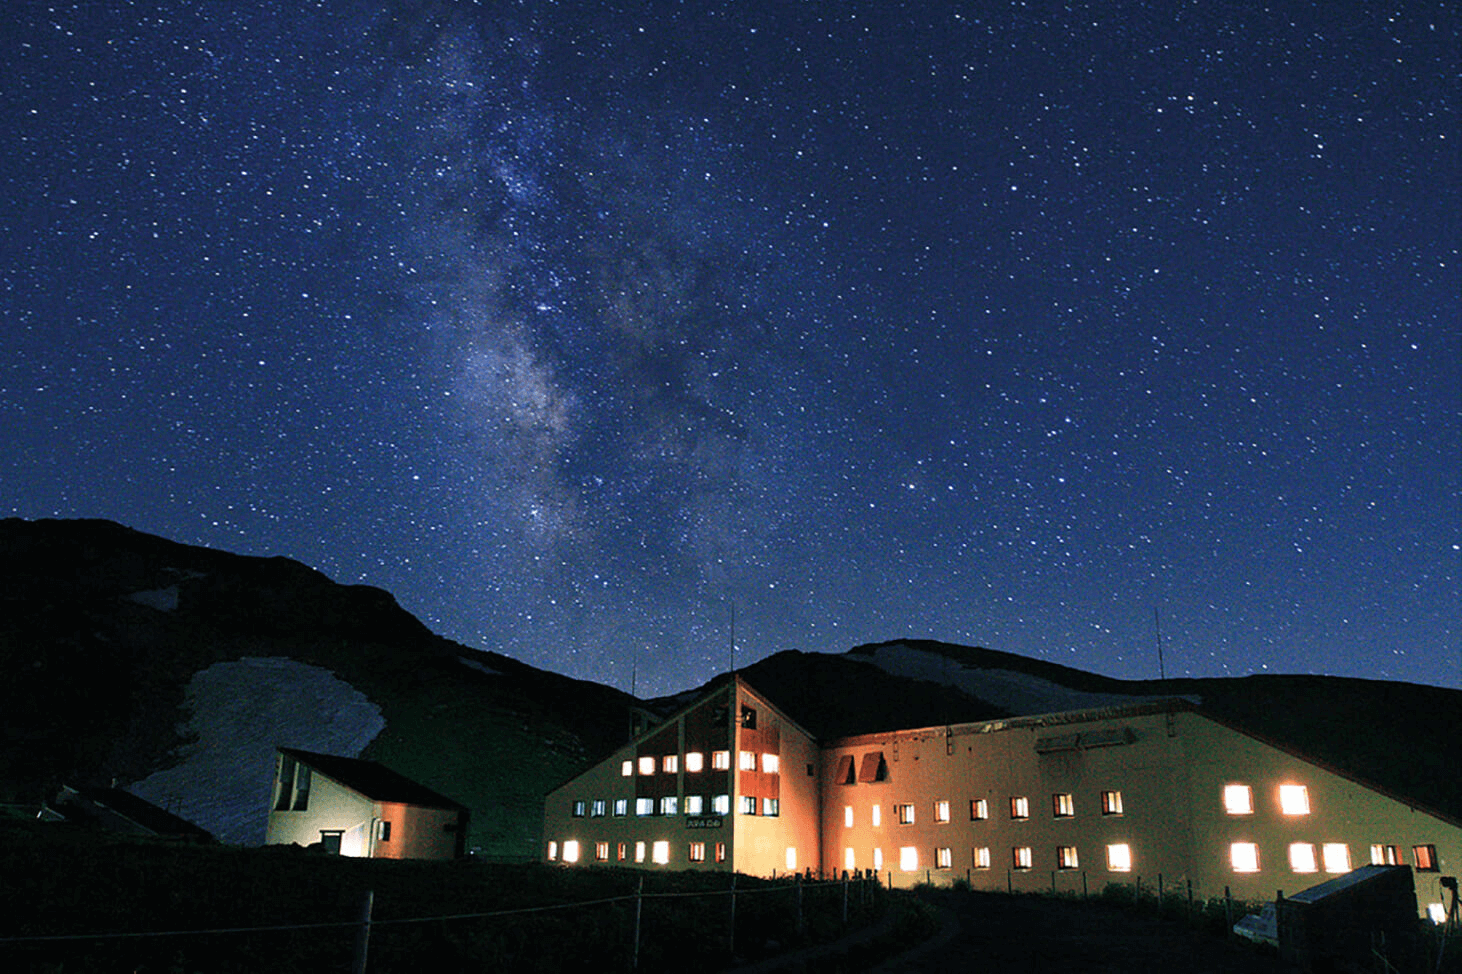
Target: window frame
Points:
(1232, 793)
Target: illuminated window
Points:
(627, 768)
(1436, 913)
(877, 817)
(1294, 799)
(660, 853)
(877, 859)
(980, 857)
(748, 717)
(597, 809)
(694, 761)
(623, 851)
(1385, 855)
(909, 858)
(1302, 857)
(748, 760)
(905, 813)
(1020, 807)
(1063, 805)
(1119, 858)
(979, 809)
(579, 807)
(601, 851)
(720, 852)
(748, 804)
(770, 763)
(791, 859)
(552, 851)
(303, 777)
(1238, 799)
(639, 852)
(849, 860)
(1336, 856)
(647, 765)
(943, 858)
(1244, 857)
(1066, 857)
(941, 811)
(721, 805)
(287, 770)
(571, 850)
(670, 763)
(694, 804)
(771, 806)
(1020, 857)
(847, 816)
(1111, 803)
(697, 852)
(621, 807)
(1424, 857)
(644, 806)
(721, 760)
(669, 805)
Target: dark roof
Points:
(375, 781)
(143, 813)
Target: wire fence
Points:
(855, 892)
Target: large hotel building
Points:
(1155, 791)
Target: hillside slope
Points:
(104, 630)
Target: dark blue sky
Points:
(572, 325)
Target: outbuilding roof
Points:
(375, 781)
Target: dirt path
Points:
(1024, 935)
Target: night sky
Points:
(575, 325)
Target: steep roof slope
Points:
(371, 779)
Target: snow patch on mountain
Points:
(241, 711)
(480, 667)
(161, 599)
(1019, 693)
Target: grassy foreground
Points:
(59, 881)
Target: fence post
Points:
(363, 933)
(845, 899)
(1190, 897)
(1159, 893)
(1053, 882)
(1083, 884)
(634, 963)
(1228, 912)
(732, 939)
(797, 881)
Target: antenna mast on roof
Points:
(1157, 625)
(733, 637)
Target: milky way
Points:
(580, 330)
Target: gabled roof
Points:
(375, 781)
